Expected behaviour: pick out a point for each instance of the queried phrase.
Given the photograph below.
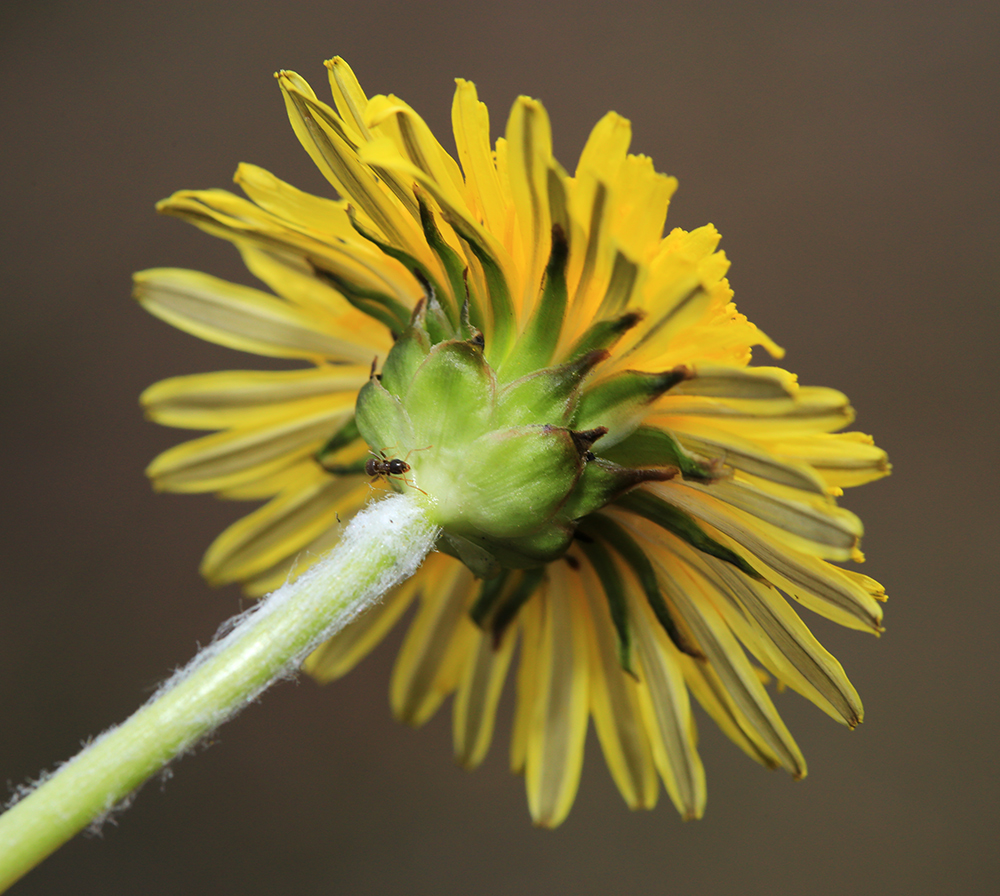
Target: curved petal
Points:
(352, 260)
(415, 142)
(529, 620)
(773, 632)
(753, 459)
(294, 208)
(825, 531)
(237, 316)
(767, 625)
(430, 661)
(477, 696)
(814, 409)
(471, 124)
(348, 96)
(558, 721)
(708, 689)
(824, 588)
(741, 683)
(529, 160)
(666, 710)
(323, 135)
(239, 456)
(282, 527)
(842, 459)
(614, 703)
(234, 398)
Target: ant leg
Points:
(411, 484)
(408, 453)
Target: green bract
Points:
(510, 466)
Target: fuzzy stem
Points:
(382, 546)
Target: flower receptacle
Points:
(507, 469)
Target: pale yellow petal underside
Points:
(244, 398)
(614, 704)
(237, 317)
(234, 457)
(477, 695)
(558, 724)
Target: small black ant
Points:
(379, 465)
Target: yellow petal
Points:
(296, 208)
(471, 124)
(430, 660)
(390, 116)
(666, 711)
(592, 207)
(605, 149)
(324, 136)
(227, 459)
(770, 629)
(244, 397)
(821, 529)
(843, 459)
(677, 292)
(477, 696)
(349, 260)
(750, 458)
(641, 196)
(282, 527)
(822, 587)
(709, 691)
(750, 701)
(614, 703)
(382, 153)
(348, 96)
(237, 316)
(782, 643)
(530, 624)
(814, 409)
(764, 384)
(558, 724)
(268, 486)
(300, 286)
(529, 161)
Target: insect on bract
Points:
(379, 465)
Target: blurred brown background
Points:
(848, 154)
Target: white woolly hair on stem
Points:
(382, 546)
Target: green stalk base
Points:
(382, 546)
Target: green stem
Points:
(382, 546)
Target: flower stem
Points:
(382, 546)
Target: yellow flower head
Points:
(620, 493)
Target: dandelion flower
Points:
(626, 504)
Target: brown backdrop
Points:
(846, 151)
